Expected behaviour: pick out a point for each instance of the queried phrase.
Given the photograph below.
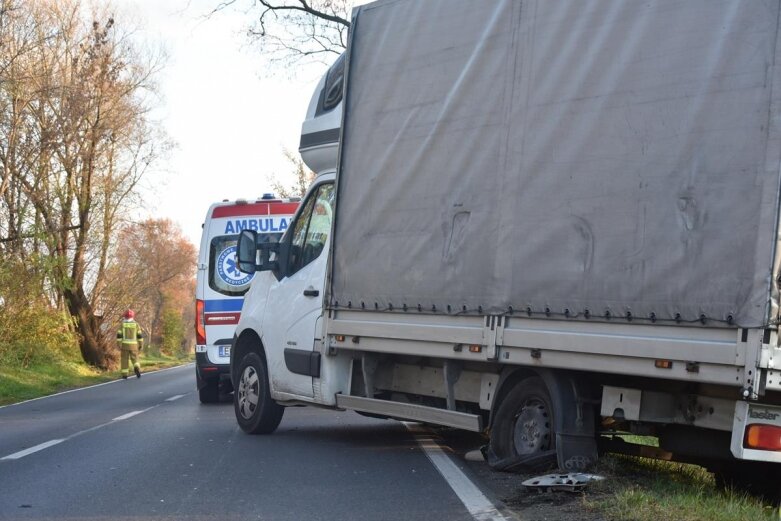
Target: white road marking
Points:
(25, 452)
(478, 505)
(128, 415)
(51, 443)
(92, 386)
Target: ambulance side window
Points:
(311, 230)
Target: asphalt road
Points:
(146, 449)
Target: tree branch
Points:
(306, 8)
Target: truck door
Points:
(295, 303)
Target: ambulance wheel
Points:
(256, 412)
(523, 433)
(209, 393)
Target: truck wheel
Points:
(256, 412)
(523, 434)
(209, 393)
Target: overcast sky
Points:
(229, 116)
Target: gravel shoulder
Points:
(507, 487)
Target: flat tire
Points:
(523, 429)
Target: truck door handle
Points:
(311, 292)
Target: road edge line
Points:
(474, 500)
(91, 386)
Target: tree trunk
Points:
(94, 347)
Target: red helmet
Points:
(129, 314)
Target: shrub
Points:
(173, 332)
(35, 333)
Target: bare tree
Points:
(293, 32)
(75, 139)
(302, 178)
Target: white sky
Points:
(229, 116)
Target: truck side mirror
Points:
(247, 251)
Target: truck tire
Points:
(523, 433)
(209, 393)
(256, 412)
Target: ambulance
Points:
(221, 285)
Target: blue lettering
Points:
(263, 225)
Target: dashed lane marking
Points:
(51, 443)
(128, 415)
(31, 450)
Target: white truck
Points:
(551, 221)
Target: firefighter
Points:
(130, 339)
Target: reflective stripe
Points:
(129, 332)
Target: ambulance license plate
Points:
(225, 351)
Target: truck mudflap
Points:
(756, 432)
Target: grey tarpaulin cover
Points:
(601, 155)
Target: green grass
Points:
(640, 489)
(47, 377)
(153, 361)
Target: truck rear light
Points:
(200, 330)
(762, 437)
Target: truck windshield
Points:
(224, 274)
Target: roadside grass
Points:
(155, 360)
(641, 489)
(44, 377)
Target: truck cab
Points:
(283, 309)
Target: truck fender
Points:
(573, 413)
(246, 342)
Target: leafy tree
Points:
(155, 277)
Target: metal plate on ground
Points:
(571, 482)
